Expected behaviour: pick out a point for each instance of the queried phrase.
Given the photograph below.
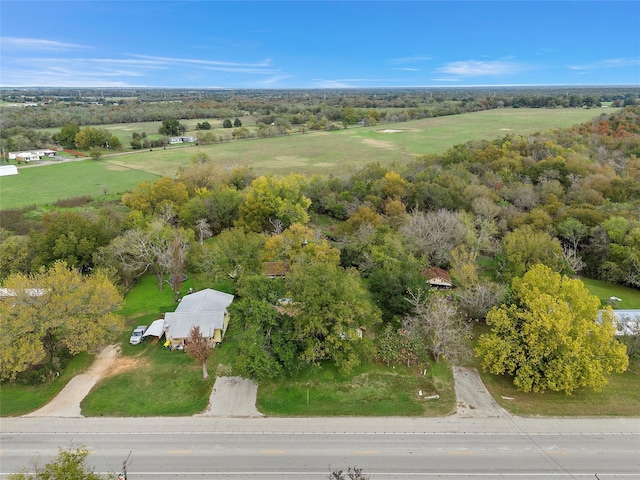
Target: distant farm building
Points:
(175, 140)
(31, 156)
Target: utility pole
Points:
(123, 473)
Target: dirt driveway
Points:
(236, 396)
(67, 402)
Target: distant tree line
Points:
(56, 109)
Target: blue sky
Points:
(318, 44)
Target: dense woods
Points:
(486, 211)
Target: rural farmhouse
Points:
(206, 309)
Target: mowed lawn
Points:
(338, 152)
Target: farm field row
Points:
(337, 153)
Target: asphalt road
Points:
(385, 448)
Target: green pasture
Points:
(45, 184)
(338, 152)
(342, 151)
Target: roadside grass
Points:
(337, 153)
(159, 383)
(19, 399)
(372, 390)
(629, 297)
(620, 397)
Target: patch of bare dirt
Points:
(125, 364)
(377, 143)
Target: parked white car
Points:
(136, 336)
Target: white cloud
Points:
(608, 63)
(37, 44)
(210, 63)
(479, 68)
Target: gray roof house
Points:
(206, 309)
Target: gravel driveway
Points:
(473, 398)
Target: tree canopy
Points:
(54, 309)
(271, 202)
(551, 337)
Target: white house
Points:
(174, 140)
(206, 309)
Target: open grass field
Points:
(338, 153)
(40, 185)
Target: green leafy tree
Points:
(68, 465)
(69, 236)
(623, 263)
(235, 253)
(67, 135)
(349, 116)
(237, 122)
(114, 143)
(330, 307)
(171, 127)
(91, 137)
(226, 123)
(551, 337)
(274, 204)
(203, 126)
(53, 309)
(525, 247)
(219, 206)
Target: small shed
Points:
(206, 309)
(8, 170)
(437, 277)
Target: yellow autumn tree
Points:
(553, 336)
(54, 309)
(272, 203)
